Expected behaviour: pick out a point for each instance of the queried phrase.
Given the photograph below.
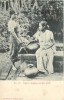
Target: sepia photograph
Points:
(31, 40)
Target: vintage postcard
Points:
(31, 50)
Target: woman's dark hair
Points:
(43, 23)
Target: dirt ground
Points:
(5, 65)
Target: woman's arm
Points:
(51, 43)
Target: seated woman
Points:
(45, 53)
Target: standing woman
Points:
(14, 29)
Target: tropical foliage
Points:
(30, 13)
